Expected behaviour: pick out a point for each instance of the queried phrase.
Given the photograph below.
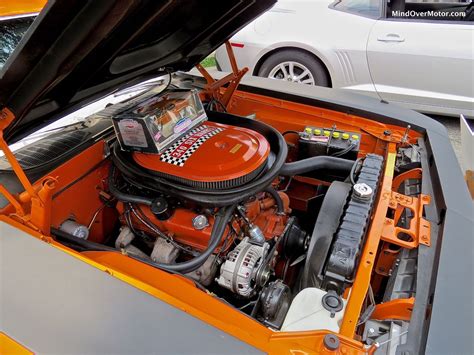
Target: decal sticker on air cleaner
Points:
(180, 151)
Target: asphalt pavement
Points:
(453, 126)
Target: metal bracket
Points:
(213, 87)
(419, 228)
(394, 309)
(33, 206)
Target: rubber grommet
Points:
(331, 342)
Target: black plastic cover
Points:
(324, 230)
(352, 229)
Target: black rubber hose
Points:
(122, 196)
(276, 196)
(85, 244)
(220, 223)
(218, 229)
(317, 163)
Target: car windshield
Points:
(12, 31)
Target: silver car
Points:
(416, 54)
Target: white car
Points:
(416, 54)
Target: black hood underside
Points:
(77, 50)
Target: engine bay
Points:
(214, 206)
(267, 216)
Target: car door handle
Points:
(391, 37)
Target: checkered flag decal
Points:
(180, 151)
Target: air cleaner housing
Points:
(211, 156)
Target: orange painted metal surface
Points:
(80, 182)
(286, 115)
(178, 227)
(363, 276)
(20, 7)
(231, 153)
(394, 309)
(414, 174)
(34, 208)
(222, 90)
(418, 231)
(386, 259)
(9, 346)
(263, 213)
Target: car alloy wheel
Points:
(292, 71)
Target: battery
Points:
(315, 141)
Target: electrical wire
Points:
(344, 151)
(364, 317)
(96, 213)
(145, 221)
(247, 305)
(214, 101)
(353, 170)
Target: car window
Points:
(452, 11)
(369, 8)
(11, 32)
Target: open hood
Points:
(77, 51)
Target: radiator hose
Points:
(220, 223)
(276, 196)
(321, 162)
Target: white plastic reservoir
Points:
(308, 313)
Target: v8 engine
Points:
(224, 205)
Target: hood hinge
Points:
(216, 89)
(33, 206)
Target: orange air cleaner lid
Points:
(211, 153)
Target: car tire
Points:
(273, 67)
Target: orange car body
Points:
(67, 295)
(20, 7)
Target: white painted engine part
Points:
(239, 271)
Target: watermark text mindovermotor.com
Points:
(430, 13)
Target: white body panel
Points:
(347, 44)
(423, 63)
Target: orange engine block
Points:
(261, 212)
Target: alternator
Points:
(239, 271)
